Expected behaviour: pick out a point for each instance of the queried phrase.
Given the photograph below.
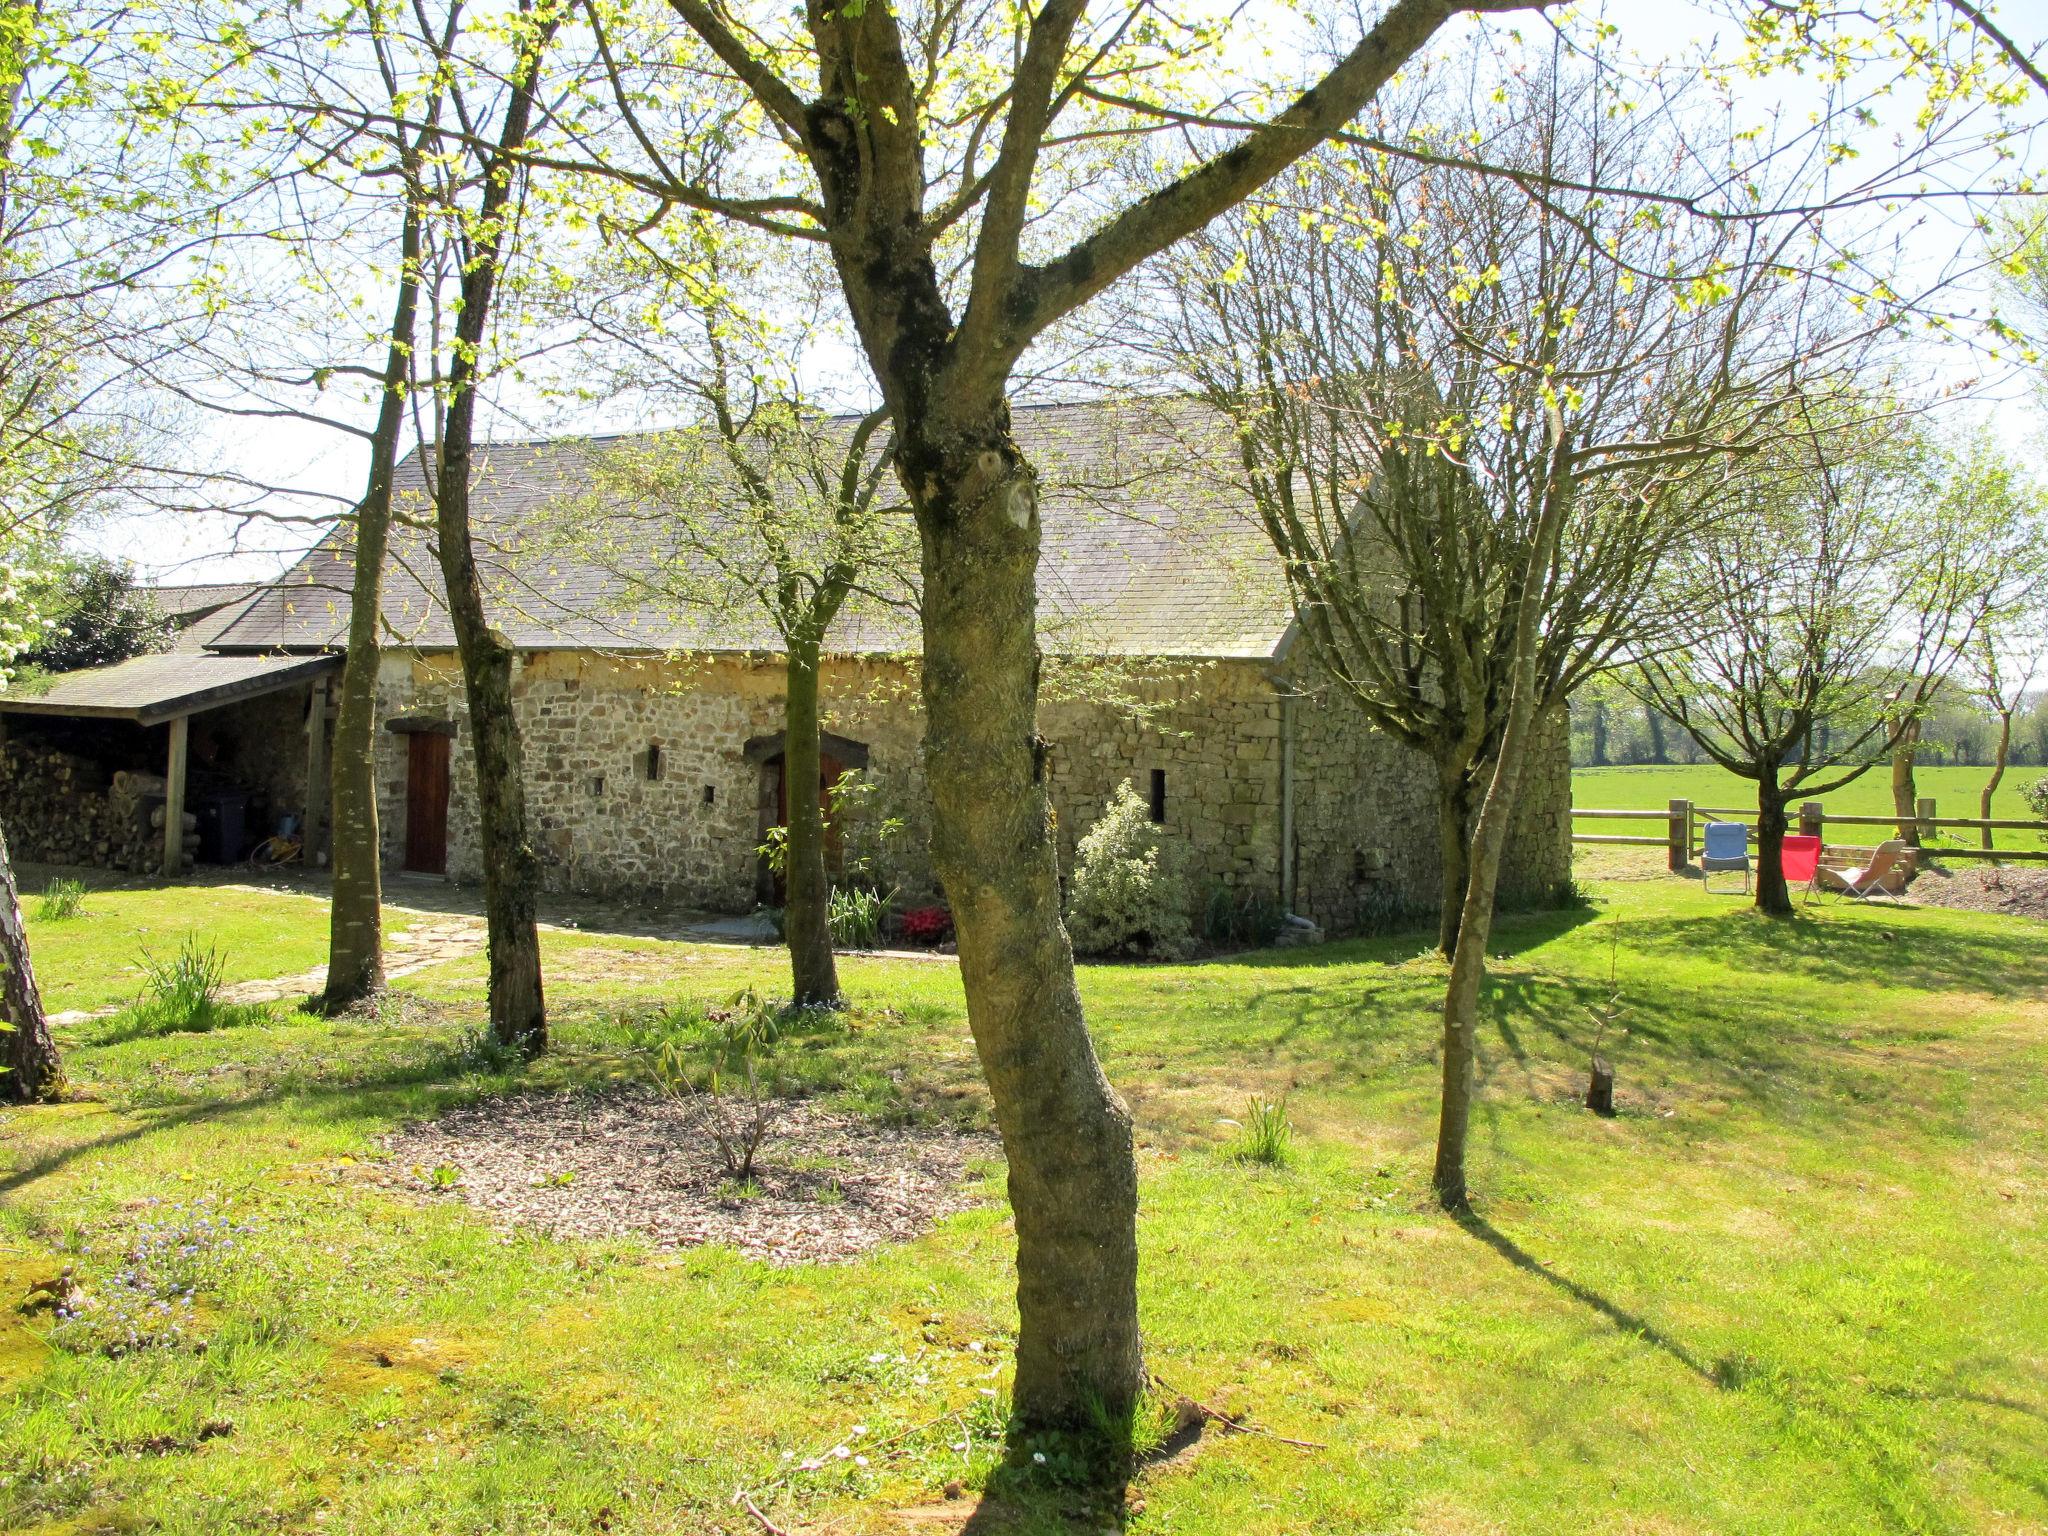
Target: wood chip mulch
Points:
(2021, 892)
(827, 1187)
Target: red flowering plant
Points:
(927, 925)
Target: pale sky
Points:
(191, 548)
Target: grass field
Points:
(1954, 790)
(1794, 1286)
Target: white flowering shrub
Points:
(1129, 892)
(2036, 796)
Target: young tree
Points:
(98, 616)
(762, 506)
(1846, 583)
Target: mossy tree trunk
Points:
(1905, 791)
(808, 889)
(27, 1050)
(355, 941)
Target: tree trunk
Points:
(806, 915)
(1773, 897)
(355, 938)
(1655, 723)
(27, 1052)
(1072, 1172)
(1599, 734)
(1489, 841)
(1454, 841)
(1998, 761)
(511, 863)
(1905, 793)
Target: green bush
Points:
(61, 899)
(1129, 893)
(1241, 918)
(855, 916)
(2036, 796)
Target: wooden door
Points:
(426, 803)
(829, 769)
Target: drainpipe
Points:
(1286, 802)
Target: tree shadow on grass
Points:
(1625, 1321)
(1854, 947)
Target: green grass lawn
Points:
(1794, 1286)
(1954, 790)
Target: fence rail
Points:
(1684, 822)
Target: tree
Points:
(98, 616)
(29, 1067)
(762, 507)
(950, 162)
(1847, 583)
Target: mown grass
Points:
(1955, 792)
(1793, 1286)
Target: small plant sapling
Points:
(1600, 1085)
(732, 1108)
(1267, 1134)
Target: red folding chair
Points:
(1801, 858)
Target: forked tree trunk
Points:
(807, 910)
(1998, 761)
(1489, 841)
(355, 936)
(1773, 896)
(1067, 1135)
(27, 1050)
(1905, 793)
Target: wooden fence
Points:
(1683, 833)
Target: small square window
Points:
(597, 785)
(710, 794)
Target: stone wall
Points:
(1363, 817)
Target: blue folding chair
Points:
(1727, 848)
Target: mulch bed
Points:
(1975, 888)
(827, 1187)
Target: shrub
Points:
(2036, 796)
(61, 899)
(1266, 1136)
(927, 925)
(1129, 893)
(855, 916)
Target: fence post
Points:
(1811, 819)
(1926, 819)
(1679, 853)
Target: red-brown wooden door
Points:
(426, 803)
(829, 769)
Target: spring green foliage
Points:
(1129, 891)
(183, 993)
(61, 899)
(1809, 1245)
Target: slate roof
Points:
(1147, 551)
(150, 689)
(200, 612)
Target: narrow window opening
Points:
(653, 761)
(1159, 794)
(597, 785)
(710, 794)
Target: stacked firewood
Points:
(64, 809)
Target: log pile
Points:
(64, 809)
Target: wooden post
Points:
(1811, 819)
(174, 796)
(1925, 808)
(312, 835)
(1679, 854)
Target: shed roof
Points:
(1147, 549)
(152, 689)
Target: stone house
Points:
(653, 737)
